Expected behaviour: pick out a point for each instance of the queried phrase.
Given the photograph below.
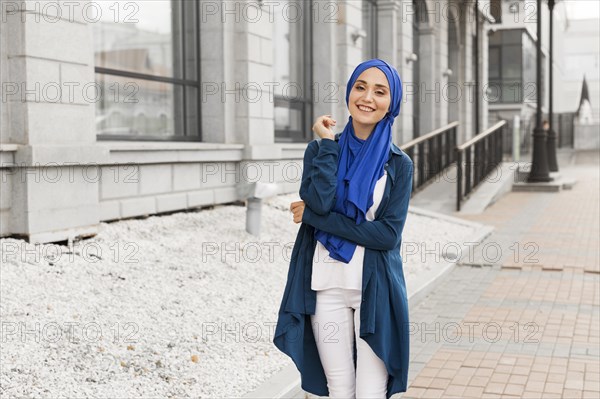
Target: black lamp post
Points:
(551, 144)
(539, 165)
(476, 67)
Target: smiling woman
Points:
(346, 269)
(369, 101)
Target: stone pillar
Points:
(237, 72)
(348, 18)
(467, 73)
(404, 50)
(329, 86)
(483, 73)
(55, 178)
(441, 64)
(429, 85)
(388, 14)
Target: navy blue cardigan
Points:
(384, 322)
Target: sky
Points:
(582, 9)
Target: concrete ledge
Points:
(557, 183)
(537, 187)
(286, 383)
(170, 152)
(175, 152)
(7, 155)
(489, 192)
(426, 287)
(59, 155)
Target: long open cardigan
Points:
(384, 322)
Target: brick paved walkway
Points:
(521, 318)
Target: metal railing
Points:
(481, 155)
(431, 154)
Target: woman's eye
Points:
(381, 93)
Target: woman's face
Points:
(370, 97)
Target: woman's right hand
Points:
(323, 126)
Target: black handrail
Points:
(487, 155)
(433, 149)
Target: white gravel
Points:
(169, 306)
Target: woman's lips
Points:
(371, 110)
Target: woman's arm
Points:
(382, 234)
(319, 175)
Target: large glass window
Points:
(506, 66)
(292, 61)
(147, 70)
(369, 14)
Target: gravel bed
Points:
(182, 305)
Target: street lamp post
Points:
(476, 67)
(539, 164)
(551, 145)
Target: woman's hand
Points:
(323, 126)
(297, 209)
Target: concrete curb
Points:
(490, 191)
(286, 383)
(425, 289)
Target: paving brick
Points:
(454, 390)
(473, 392)
(422, 382)
(531, 320)
(495, 387)
(414, 392)
(500, 377)
(535, 386)
(572, 393)
(553, 387)
(440, 383)
(517, 379)
(514, 389)
(433, 393)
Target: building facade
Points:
(124, 109)
(512, 88)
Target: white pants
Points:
(335, 325)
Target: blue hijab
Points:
(361, 162)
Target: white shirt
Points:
(331, 273)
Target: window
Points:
(496, 10)
(506, 54)
(147, 70)
(529, 70)
(369, 13)
(292, 46)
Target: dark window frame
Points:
(501, 81)
(305, 104)
(416, 65)
(372, 34)
(183, 82)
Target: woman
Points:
(343, 317)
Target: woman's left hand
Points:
(297, 209)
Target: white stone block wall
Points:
(135, 183)
(48, 51)
(106, 180)
(586, 137)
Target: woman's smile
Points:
(365, 108)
